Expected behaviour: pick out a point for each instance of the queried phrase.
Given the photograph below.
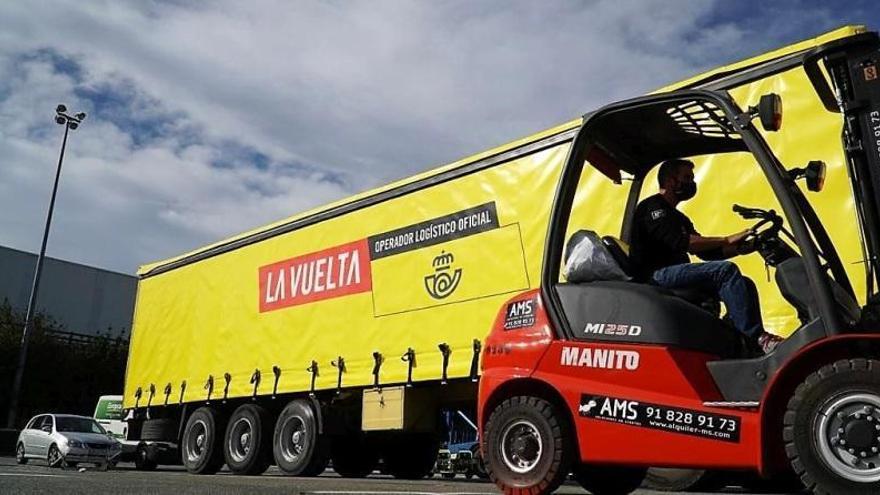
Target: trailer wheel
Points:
(411, 456)
(299, 449)
(528, 446)
(832, 428)
(202, 447)
(159, 430)
(246, 444)
(609, 480)
(353, 456)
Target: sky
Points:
(206, 119)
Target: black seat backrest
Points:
(620, 251)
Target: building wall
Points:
(83, 299)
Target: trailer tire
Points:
(159, 430)
(298, 447)
(609, 480)
(247, 443)
(527, 446)
(831, 427)
(201, 450)
(411, 456)
(353, 456)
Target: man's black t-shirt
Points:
(660, 236)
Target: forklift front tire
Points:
(832, 428)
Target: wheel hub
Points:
(240, 440)
(293, 439)
(848, 436)
(521, 446)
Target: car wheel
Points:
(159, 430)
(832, 428)
(353, 456)
(528, 448)
(609, 480)
(142, 459)
(297, 446)
(54, 457)
(246, 445)
(19, 454)
(202, 446)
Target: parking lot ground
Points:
(36, 477)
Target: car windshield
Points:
(79, 425)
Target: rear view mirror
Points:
(814, 173)
(770, 112)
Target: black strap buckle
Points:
(167, 392)
(313, 369)
(152, 393)
(182, 390)
(409, 357)
(377, 364)
(209, 386)
(475, 361)
(137, 397)
(277, 372)
(339, 364)
(255, 380)
(445, 350)
(228, 378)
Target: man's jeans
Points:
(739, 294)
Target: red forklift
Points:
(603, 379)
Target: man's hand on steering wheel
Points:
(744, 242)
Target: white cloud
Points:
(338, 96)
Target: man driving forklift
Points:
(663, 236)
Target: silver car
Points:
(65, 440)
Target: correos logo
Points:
(443, 282)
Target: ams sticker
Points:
(520, 314)
(659, 417)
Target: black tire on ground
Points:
(298, 447)
(527, 446)
(479, 464)
(609, 480)
(71, 464)
(247, 445)
(54, 457)
(159, 430)
(784, 483)
(201, 450)
(353, 456)
(830, 428)
(19, 454)
(683, 480)
(411, 456)
(142, 459)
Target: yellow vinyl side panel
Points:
(430, 267)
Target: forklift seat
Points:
(620, 251)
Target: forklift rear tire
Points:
(411, 456)
(247, 443)
(832, 428)
(609, 480)
(202, 447)
(353, 456)
(528, 446)
(683, 480)
(299, 449)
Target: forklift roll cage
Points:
(614, 131)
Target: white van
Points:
(109, 414)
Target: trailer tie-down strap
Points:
(228, 378)
(167, 392)
(339, 364)
(277, 372)
(152, 393)
(409, 357)
(313, 369)
(209, 386)
(445, 350)
(255, 380)
(475, 360)
(377, 363)
(182, 390)
(137, 397)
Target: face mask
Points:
(686, 191)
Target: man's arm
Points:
(716, 248)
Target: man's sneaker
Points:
(768, 342)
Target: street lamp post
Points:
(70, 123)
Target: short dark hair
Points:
(670, 168)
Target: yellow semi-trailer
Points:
(285, 344)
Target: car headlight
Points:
(76, 444)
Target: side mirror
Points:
(814, 173)
(770, 112)
(46, 428)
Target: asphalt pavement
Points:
(36, 477)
